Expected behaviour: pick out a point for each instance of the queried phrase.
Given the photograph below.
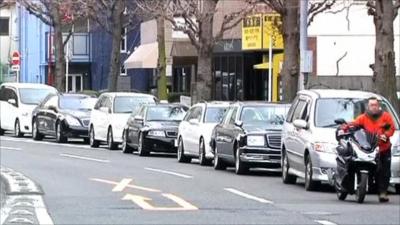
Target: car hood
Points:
(77, 113)
(261, 129)
(325, 135)
(163, 124)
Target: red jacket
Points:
(381, 125)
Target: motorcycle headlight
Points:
(396, 150)
(72, 121)
(325, 147)
(255, 140)
(156, 133)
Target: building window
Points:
(124, 39)
(4, 26)
(228, 77)
(123, 70)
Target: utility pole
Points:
(303, 42)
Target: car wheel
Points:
(310, 184)
(182, 158)
(86, 140)
(92, 140)
(60, 138)
(286, 177)
(110, 140)
(142, 150)
(202, 154)
(17, 129)
(36, 135)
(218, 163)
(397, 188)
(240, 167)
(125, 146)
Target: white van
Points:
(17, 101)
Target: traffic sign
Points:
(15, 68)
(15, 60)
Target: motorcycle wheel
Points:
(362, 181)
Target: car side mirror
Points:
(300, 124)
(53, 108)
(239, 123)
(138, 119)
(340, 121)
(12, 101)
(105, 109)
(193, 121)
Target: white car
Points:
(194, 132)
(308, 137)
(17, 102)
(110, 114)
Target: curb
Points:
(24, 202)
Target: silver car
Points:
(308, 138)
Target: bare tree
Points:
(113, 16)
(58, 14)
(289, 12)
(198, 17)
(384, 77)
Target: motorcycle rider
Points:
(377, 121)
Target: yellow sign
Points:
(271, 31)
(252, 32)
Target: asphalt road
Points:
(96, 186)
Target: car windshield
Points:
(77, 103)
(165, 113)
(33, 96)
(329, 109)
(214, 114)
(264, 115)
(126, 104)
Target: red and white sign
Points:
(15, 59)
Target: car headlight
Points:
(72, 121)
(325, 147)
(255, 140)
(396, 150)
(157, 133)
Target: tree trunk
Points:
(291, 37)
(162, 63)
(59, 81)
(204, 85)
(115, 60)
(384, 68)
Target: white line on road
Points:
(85, 158)
(121, 185)
(169, 172)
(44, 143)
(10, 148)
(325, 222)
(248, 196)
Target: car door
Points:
(95, 114)
(136, 125)
(8, 110)
(52, 113)
(221, 137)
(185, 126)
(297, 148)
(192, 133)
(230, 131)
(102, 119)
(45, 123)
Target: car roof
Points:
(338, 93)
(214, 103)
(76, 95)
(244, 103)
(118, 94)
(27, 85)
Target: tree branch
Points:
(338, 61)
(318, 8)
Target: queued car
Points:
(194, 134)
(249, 136)
(153, 128)
(63, 116)
(308, 137)
(17, 101)
(110, 114)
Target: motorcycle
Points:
(357, 153)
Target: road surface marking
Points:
(325, 222)
(10, 148)
(121, 185)
(143, 203)
(44, 143)
(169, 172)
(130, 185)
(85, 158)
(248, 196)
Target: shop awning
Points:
(144, 57)
(261, 66)
(183, 49)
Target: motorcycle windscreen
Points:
(367, 141)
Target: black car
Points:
(153, 128)
(62, 116)
(249, 136)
